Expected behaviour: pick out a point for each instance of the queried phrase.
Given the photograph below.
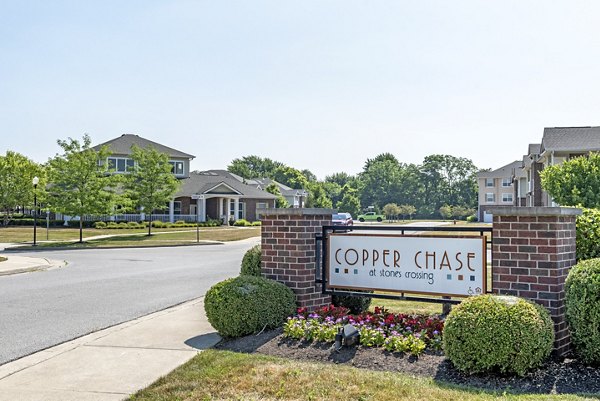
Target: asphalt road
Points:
(101, 288)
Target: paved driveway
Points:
(100, 288)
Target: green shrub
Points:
(122, 224)
(242, 223)
(356, 305)
(158, 224)
(583, 309)
(588, 234)
(133, 224)
(471, 219)
(99, 224)
(251, 262)
(75, 223)
(256, 223)
(497, 333)
(245, 304)
(112, 224)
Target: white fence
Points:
(189, 218)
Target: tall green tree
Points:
(280, 202)
(254, 167)
(317, 196)
(151, 184)
(16, 183)
(349, 202)
(449, 180)
(79, 181)
(575, 182)
(340, 178)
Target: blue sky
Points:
(321, 85)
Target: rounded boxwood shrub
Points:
(99, 224)
(246, 304)
(583, 309)
(497, 333)
(588, 234)
(357, 305)
(251, 262)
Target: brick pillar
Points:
(533, 249)
(288, 251)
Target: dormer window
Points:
(176, 168)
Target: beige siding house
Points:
(496, 188)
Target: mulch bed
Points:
(555, 377)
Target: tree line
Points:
(440, 183)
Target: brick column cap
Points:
(533, 211)
(297, 211)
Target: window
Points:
(489, 182)
(176, 168)
(177, 207)
(506, 182)
(489, 197)
(507, 198)
(120, 164)
(241, 210)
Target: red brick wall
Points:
(288, 251)
(532, 255)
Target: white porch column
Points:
(203, 215)
(227, 209)
(236, 208)
(142, 214)
(220, 208)
(172, 211)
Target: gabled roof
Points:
(503, 172)
(122, 146)
(571, 139)
(216, 182)
(534, 149)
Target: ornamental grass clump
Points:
(394, 332)
(490, 333)
(246, 304)
(583, 309)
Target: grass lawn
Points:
(25, 233)
(410, 307)
(224, 375)
(171, 238)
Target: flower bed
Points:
(394, 332)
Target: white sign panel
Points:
(453, 266)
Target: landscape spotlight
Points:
(347, 335)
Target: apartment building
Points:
(496, 188)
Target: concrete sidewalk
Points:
(113, 363)
(24, 264)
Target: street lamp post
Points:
(35, 184)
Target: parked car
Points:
(342, 219)
(371, 216)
